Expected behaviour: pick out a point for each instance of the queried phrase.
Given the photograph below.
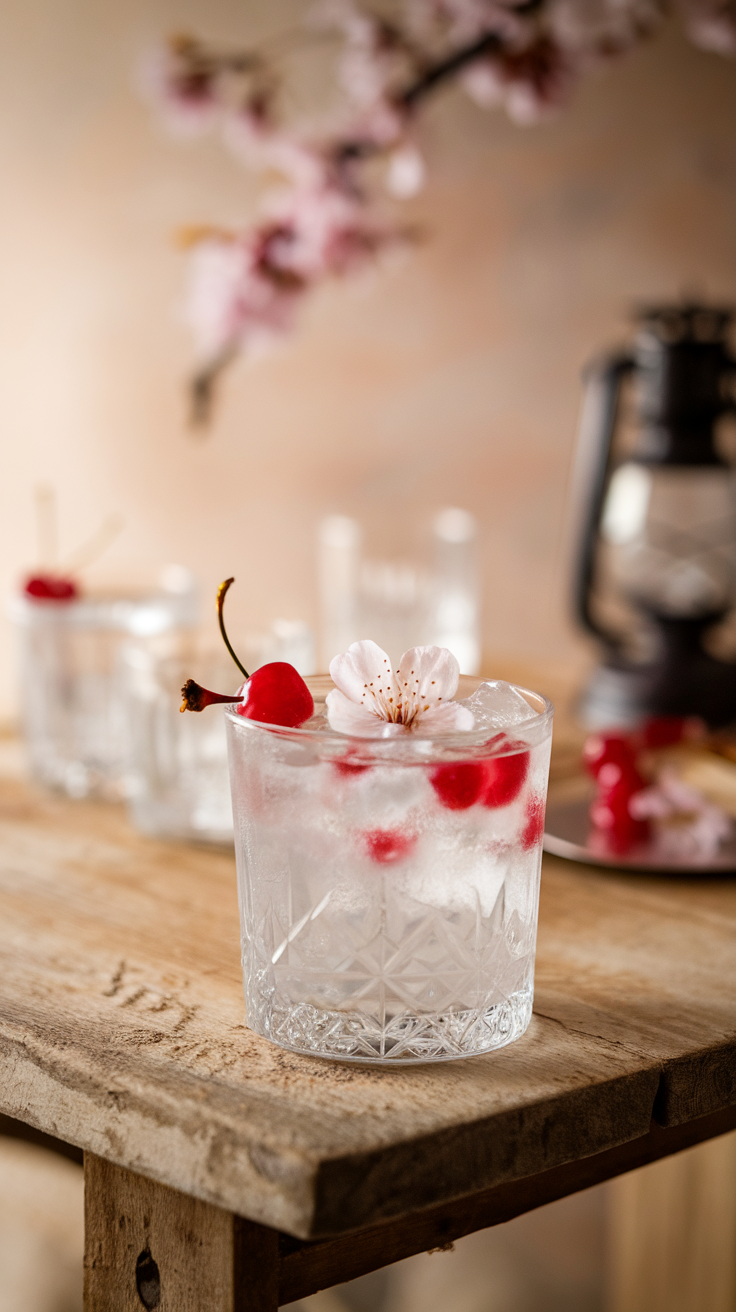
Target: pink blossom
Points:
(406, 171)
(234, 300)
(377, 56)
(246, 287)
(595, 30)
(372, 700)
(711, 24)
(525, 57)
(181, 83)
(689, 826)
(321, 231)
(462, 21)
(528, 83)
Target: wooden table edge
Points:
(306, 1266)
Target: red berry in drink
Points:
(50, 587)
(607, 748)
(458, 784)
(386, 846)
(533, 830)
(348, 765)
(505, 776)
(277, 694)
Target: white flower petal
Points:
(428, 675)
(450, 717)
(362, 672)
(347, 716)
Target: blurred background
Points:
(449, 378)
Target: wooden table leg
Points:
(672, 1233)
(151, 1247)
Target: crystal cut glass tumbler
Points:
(389, 889)
(179, 786)
(73, 701)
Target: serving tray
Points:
(569, 833)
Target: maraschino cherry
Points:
(603, 749)
(51, 587)
(495, 780)
(274, 694)
(458, 784)
(505, 776)
(611, 758)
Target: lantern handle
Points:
(731, 375)
(603, 379)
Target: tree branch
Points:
(487, 44)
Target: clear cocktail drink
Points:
(389, 888)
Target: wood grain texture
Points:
(148, 1246)
(121, 1031)
(308, 1267)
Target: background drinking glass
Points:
(73, 701)
(178, 779)
(179, 784)
(402, 603)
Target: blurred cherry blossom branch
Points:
(325, 219)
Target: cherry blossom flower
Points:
(246, 286)
(524, 56)
(460, 21)
(405, 174)
(179, 79)
(711, 24)
(689, 825)
(372, 700)
(527, 83)
(236, 299)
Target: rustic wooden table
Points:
(223, 1173)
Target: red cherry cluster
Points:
(51, 587)
(495, 781)
(613, 761)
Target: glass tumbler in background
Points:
(389, 888)
(179, 785)
(73, 704)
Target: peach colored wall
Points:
(453, 377)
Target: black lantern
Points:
(656, 566)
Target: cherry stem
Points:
(196, 697)
(221, 594)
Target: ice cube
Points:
(496, 705)
(318, 721)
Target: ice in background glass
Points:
(73, 701)
(381, 921)
(179, 783)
